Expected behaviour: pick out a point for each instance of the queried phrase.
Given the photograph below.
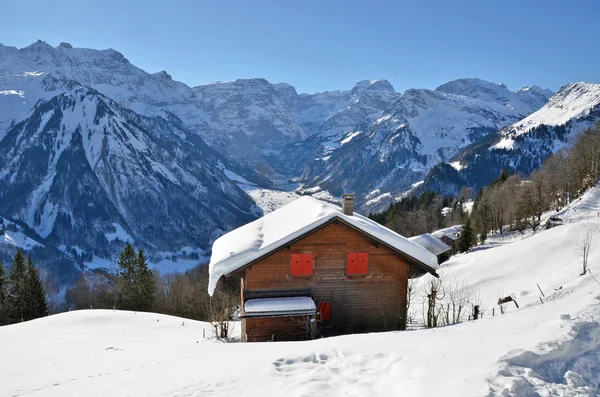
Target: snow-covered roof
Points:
(450, 232)
(252, 241)
(431, 243)
(299, 305)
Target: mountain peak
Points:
(65, 45)
(536, 90)
(471, 86)
(372, 85)
(163, 75)
(38, 46)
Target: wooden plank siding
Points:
(375, 302)
(276, 329)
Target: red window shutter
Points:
(309, 263)
(296, 264)
(302, 264)
(351, 263)
(358, 263)
(362, 263)
(324, 308)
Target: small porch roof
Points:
(279, 307)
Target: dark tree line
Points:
(414, 215)
(135, 287)
(132, 287)
(22, 296)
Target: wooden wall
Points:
(376, 302)
(283, 328)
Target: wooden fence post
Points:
(541, 290)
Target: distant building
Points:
(312, 268)
(435, 245)
(449, 236)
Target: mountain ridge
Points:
(524, 145)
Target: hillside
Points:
(547, 349)
(141, 157)
(381, 160)
(90, 175)
(524, 145)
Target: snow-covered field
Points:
(550, 349)
(269, 199)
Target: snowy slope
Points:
(223, 114)
(83, 171)
(422, 127)
(573, 101)
(524, 100)
(524, 145)
(246, 119)
(12, 236)
(327, 116)
(550, 349)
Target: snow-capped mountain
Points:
(241, 118)
(83, 171)
(524, 101)
(524, 145)
(417, 131)
(326, 116)
(247, 120)
(93, 148)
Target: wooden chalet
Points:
(449, 236)
(312, 269)
(434, 245)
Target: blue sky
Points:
(328, 45)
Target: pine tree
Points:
(16, 299)
(3, 294)
(145, 284)
(127, 276)
(37, 306)
(465, 241)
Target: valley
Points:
(96, 152)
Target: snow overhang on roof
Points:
(279, 307)
(255, 240)
(451, 232)
(431, 243)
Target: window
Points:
(358, 263)
(302, 264)
(324, 310)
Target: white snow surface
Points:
(235, 249)
(18, 240)
(431, 243)
(550, 349)
(270, 305)
(450, 232)
(572, 104)
(269, 199)
(119, 234)
(572, 101)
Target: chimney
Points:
(348, 204)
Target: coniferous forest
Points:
(22, 295)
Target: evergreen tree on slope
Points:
(145, 284)
(37, 306)
(127, 277)
(466, 238)
(17, 296)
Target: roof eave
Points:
(335, 218)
